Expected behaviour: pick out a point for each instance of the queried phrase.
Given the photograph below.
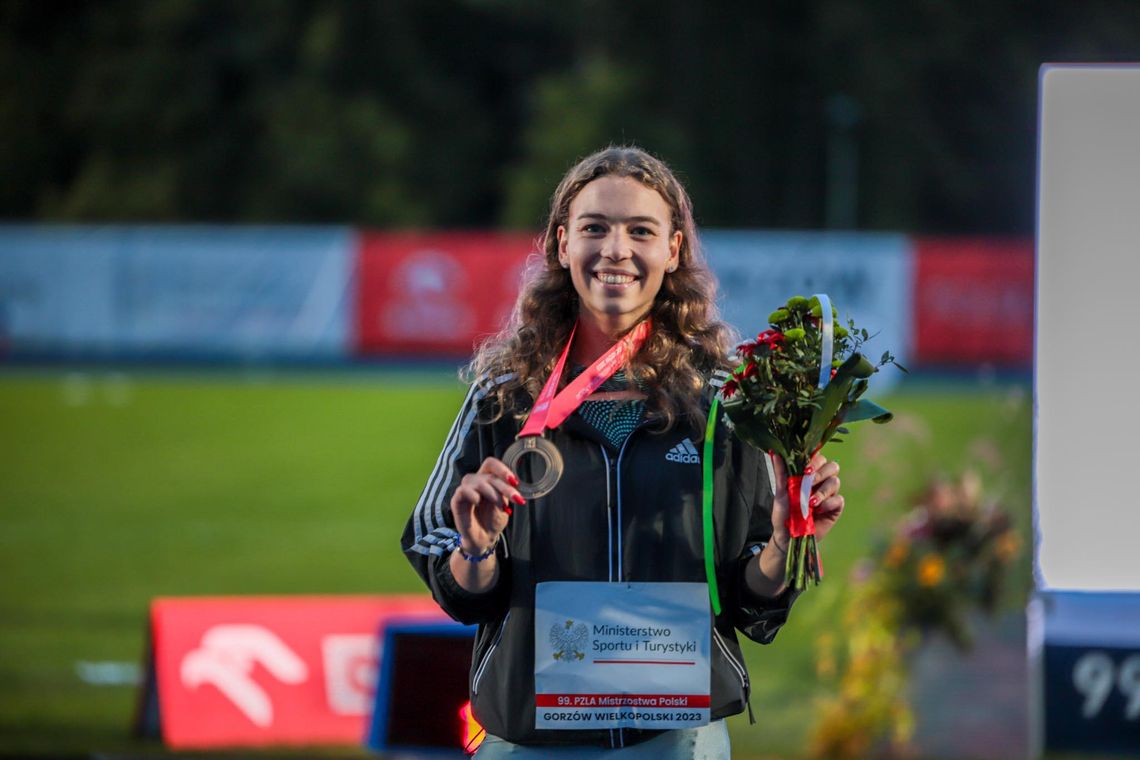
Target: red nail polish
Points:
(814, 501)
(518, 499)
(513, 480)
(509, 511)
(809, 470)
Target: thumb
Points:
(779, 470)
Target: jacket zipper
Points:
(487, 657)
(616, 470)
(617, 489)
(609, 512)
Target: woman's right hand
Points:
(482, 503)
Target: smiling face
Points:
(618, 244)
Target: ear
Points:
(563, 256)
(675, 250)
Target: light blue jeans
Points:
(705, 743)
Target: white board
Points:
(1087, 357)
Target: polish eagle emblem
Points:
(569, 640)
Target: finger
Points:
(779, 471)
(507, 490)
(497, 468)
(465, 497)
(487, 489)
(828, 470)
(821, 465)
(824, 489)
(830, 508)
(780, 477)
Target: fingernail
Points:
(509, 511)
(814, 501)
(518, 499)
(809, 470)
(514, 481)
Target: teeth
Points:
(615, 279)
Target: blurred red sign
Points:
(973, 302)
(432, 293)
(256, 671)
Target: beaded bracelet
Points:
(479, 557)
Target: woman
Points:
(620, 537)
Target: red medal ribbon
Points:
(551, 410)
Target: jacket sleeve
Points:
(430, 535)
(759, 618)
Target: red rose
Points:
(730, 389)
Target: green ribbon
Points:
(707, 507)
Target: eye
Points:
(593, 228)
(641, 231)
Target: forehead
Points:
(620, 198)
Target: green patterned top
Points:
(615, 419)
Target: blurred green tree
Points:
(453, 113)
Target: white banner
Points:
(868, 277)
(246, 292)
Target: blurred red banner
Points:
(435, 292)
(973, 302)
(258, 671)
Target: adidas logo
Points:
(684, 452)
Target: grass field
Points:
(116, 488)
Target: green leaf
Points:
(867, 410)
(857, 367)
(752, 428)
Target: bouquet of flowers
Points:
(949, 556)
(798, 383)
(946, 560)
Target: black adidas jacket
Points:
(632, 514)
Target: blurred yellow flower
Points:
(896, 554)
(1007, 546)
(931, 570)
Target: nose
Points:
(615, 246)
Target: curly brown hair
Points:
(687, 342)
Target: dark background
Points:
(917, 116)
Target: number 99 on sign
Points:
(1095, 676)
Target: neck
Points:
(593, 337)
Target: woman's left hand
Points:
(826, 501)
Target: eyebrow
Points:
(604, 218)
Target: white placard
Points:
(1086, 364)
(621, 655)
